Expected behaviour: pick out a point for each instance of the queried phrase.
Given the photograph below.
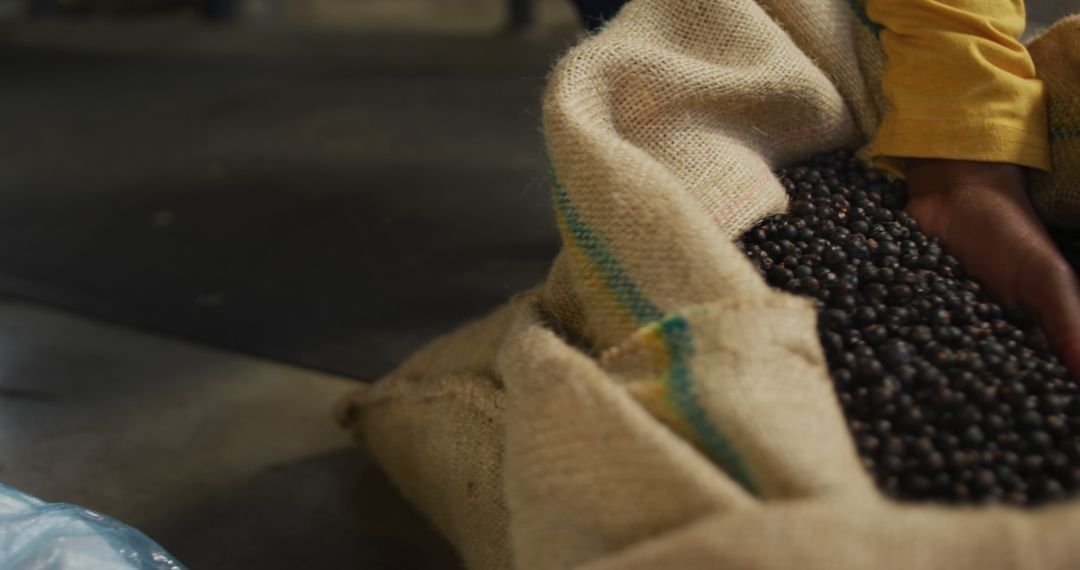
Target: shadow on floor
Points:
(331, 511)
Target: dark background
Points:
(325, 192)
(214, 224)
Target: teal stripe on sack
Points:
(1058, 132)
(860, 12)
(679, 342)
(675, 334)
(622, 287)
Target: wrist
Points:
(950, 177)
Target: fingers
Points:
(982, 213)
(1047, 286)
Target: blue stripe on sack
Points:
(860, 12)
(674, 331)
(1058, 132)
(622, 288)
(679, 342)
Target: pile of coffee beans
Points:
(949, 397)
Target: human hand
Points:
(982, 213)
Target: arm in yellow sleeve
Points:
(960, 84)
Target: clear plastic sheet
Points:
(35, 535)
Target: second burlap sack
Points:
(654, 403)
(1057, 62)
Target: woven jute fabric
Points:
(436, 427)
(654, 403)
(1056, 54)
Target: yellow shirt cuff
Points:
(987, 142)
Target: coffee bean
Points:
(947, 397)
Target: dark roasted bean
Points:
(946, 396)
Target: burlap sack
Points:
(655, 404)
(436, 427)
(1057, 60)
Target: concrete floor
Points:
(323, 198)
(227, 461)
(329, 199)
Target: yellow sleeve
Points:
(960, 84)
